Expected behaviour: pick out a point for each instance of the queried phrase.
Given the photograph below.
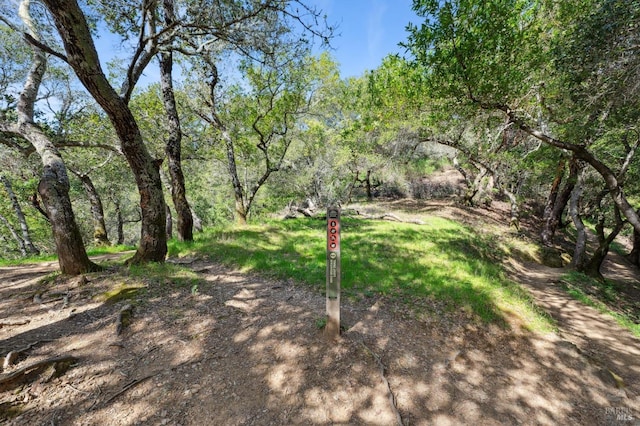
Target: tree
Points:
(258, 120)
(82, 56)
(496, 56)
(173, 147)
(24, 241)
(97, 210)
(54, 184)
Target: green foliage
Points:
(441, 260)
(28, 260)
(477, 49)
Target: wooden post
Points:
(332, 329)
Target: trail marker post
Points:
(332, 329)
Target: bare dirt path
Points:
(246, 350)
(595, 336)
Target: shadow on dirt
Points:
(247, 350)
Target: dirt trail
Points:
(597, 337)
(246, 350)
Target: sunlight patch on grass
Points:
(442, 260)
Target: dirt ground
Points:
(246, 350)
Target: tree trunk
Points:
(514, 220)
(174, 141)
(634, 255)
(169, 224)
(26, 236)
(553, 218)
(21, 245)
(238, 190)
(83, 58)
(580, 250)
(477, 192)
(550, 222)
(72, 256)
(54, 184)
(97, 211)
(593, 265)
(119, 223)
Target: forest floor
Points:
(247, 350)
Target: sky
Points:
(368, 30)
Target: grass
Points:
(441, 260)
(93, 251)
(598, 295)
(28, 260)
(164, 275)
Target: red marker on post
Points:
(332, 329)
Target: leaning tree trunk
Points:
(592, 266)
(54, 184)
(238, 190)
(83, 58)
(26, 236)
(174, 141)
(19, 241)
(558, 202)
(54, 190)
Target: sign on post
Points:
(332, 329)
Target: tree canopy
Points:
(532, 100)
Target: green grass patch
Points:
(28, 260)
(165, 275)
(93, 251)
(96, 251)
(442, 260)
(598, 295)
(121, 292)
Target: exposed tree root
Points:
(128, 386)
(392, 398)
(13, 323)
(124, 318)
(60, 366)
(13, 356)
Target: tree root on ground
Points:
(124, 318)
(392, 398)
(13, 323)
(60, 365)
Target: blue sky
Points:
(368, 31)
